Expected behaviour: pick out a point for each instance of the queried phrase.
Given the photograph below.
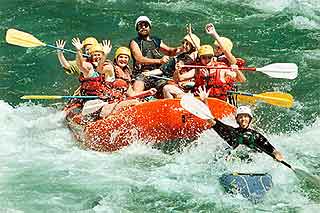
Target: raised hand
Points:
(106, 45)
(77, 43)
(60, 44)
(203, 93)
(210, 29)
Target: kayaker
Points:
(223, 47)
(176, 89)
(147, 53)
(244, 134)
(70, 67)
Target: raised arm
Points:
(63, 61)
(84, 68)
(210, 29)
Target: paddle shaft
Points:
(212, 67)
(283, 162)
(65, 50)
(286, 164)
(160, 77)
(241, 93)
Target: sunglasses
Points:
(143, 24)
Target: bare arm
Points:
(170, 51)
(210, 29)
(102, 68)
(63, 61)
(236, 74)
(153, 72)
(187, 75)
(84, 66)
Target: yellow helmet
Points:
(205, 50)
(227, 43)
(89, 40)
(193, 39)
(96, 48)
(122, 51)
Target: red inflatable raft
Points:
(157, 121)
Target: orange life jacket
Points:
(92, 86)
(210, 78)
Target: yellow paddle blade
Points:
(47, 97)
(274, 98)
(245, 99)
(22, 39)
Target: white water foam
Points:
(39, 161)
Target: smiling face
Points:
(122, 60)
(143, 28)
(96, 56)
(205, 59)
(243, 120)
(187, 46)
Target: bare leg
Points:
(138, 86)
(172, 91)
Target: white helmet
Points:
(244, 110)
(142, 19)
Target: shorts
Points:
(150, 82)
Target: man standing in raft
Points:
(146, 56)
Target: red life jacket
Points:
(116, 91)
(210, 78)
(92, 86)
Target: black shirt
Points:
(249, 137)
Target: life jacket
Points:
(185, 85)
(116, 91)
(92, 86)
(126, 73)
(150, 49)
(210, 78)
(240, 62)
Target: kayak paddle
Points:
(24, 39)
(276, 70)
(201, 110)
(274, 98)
